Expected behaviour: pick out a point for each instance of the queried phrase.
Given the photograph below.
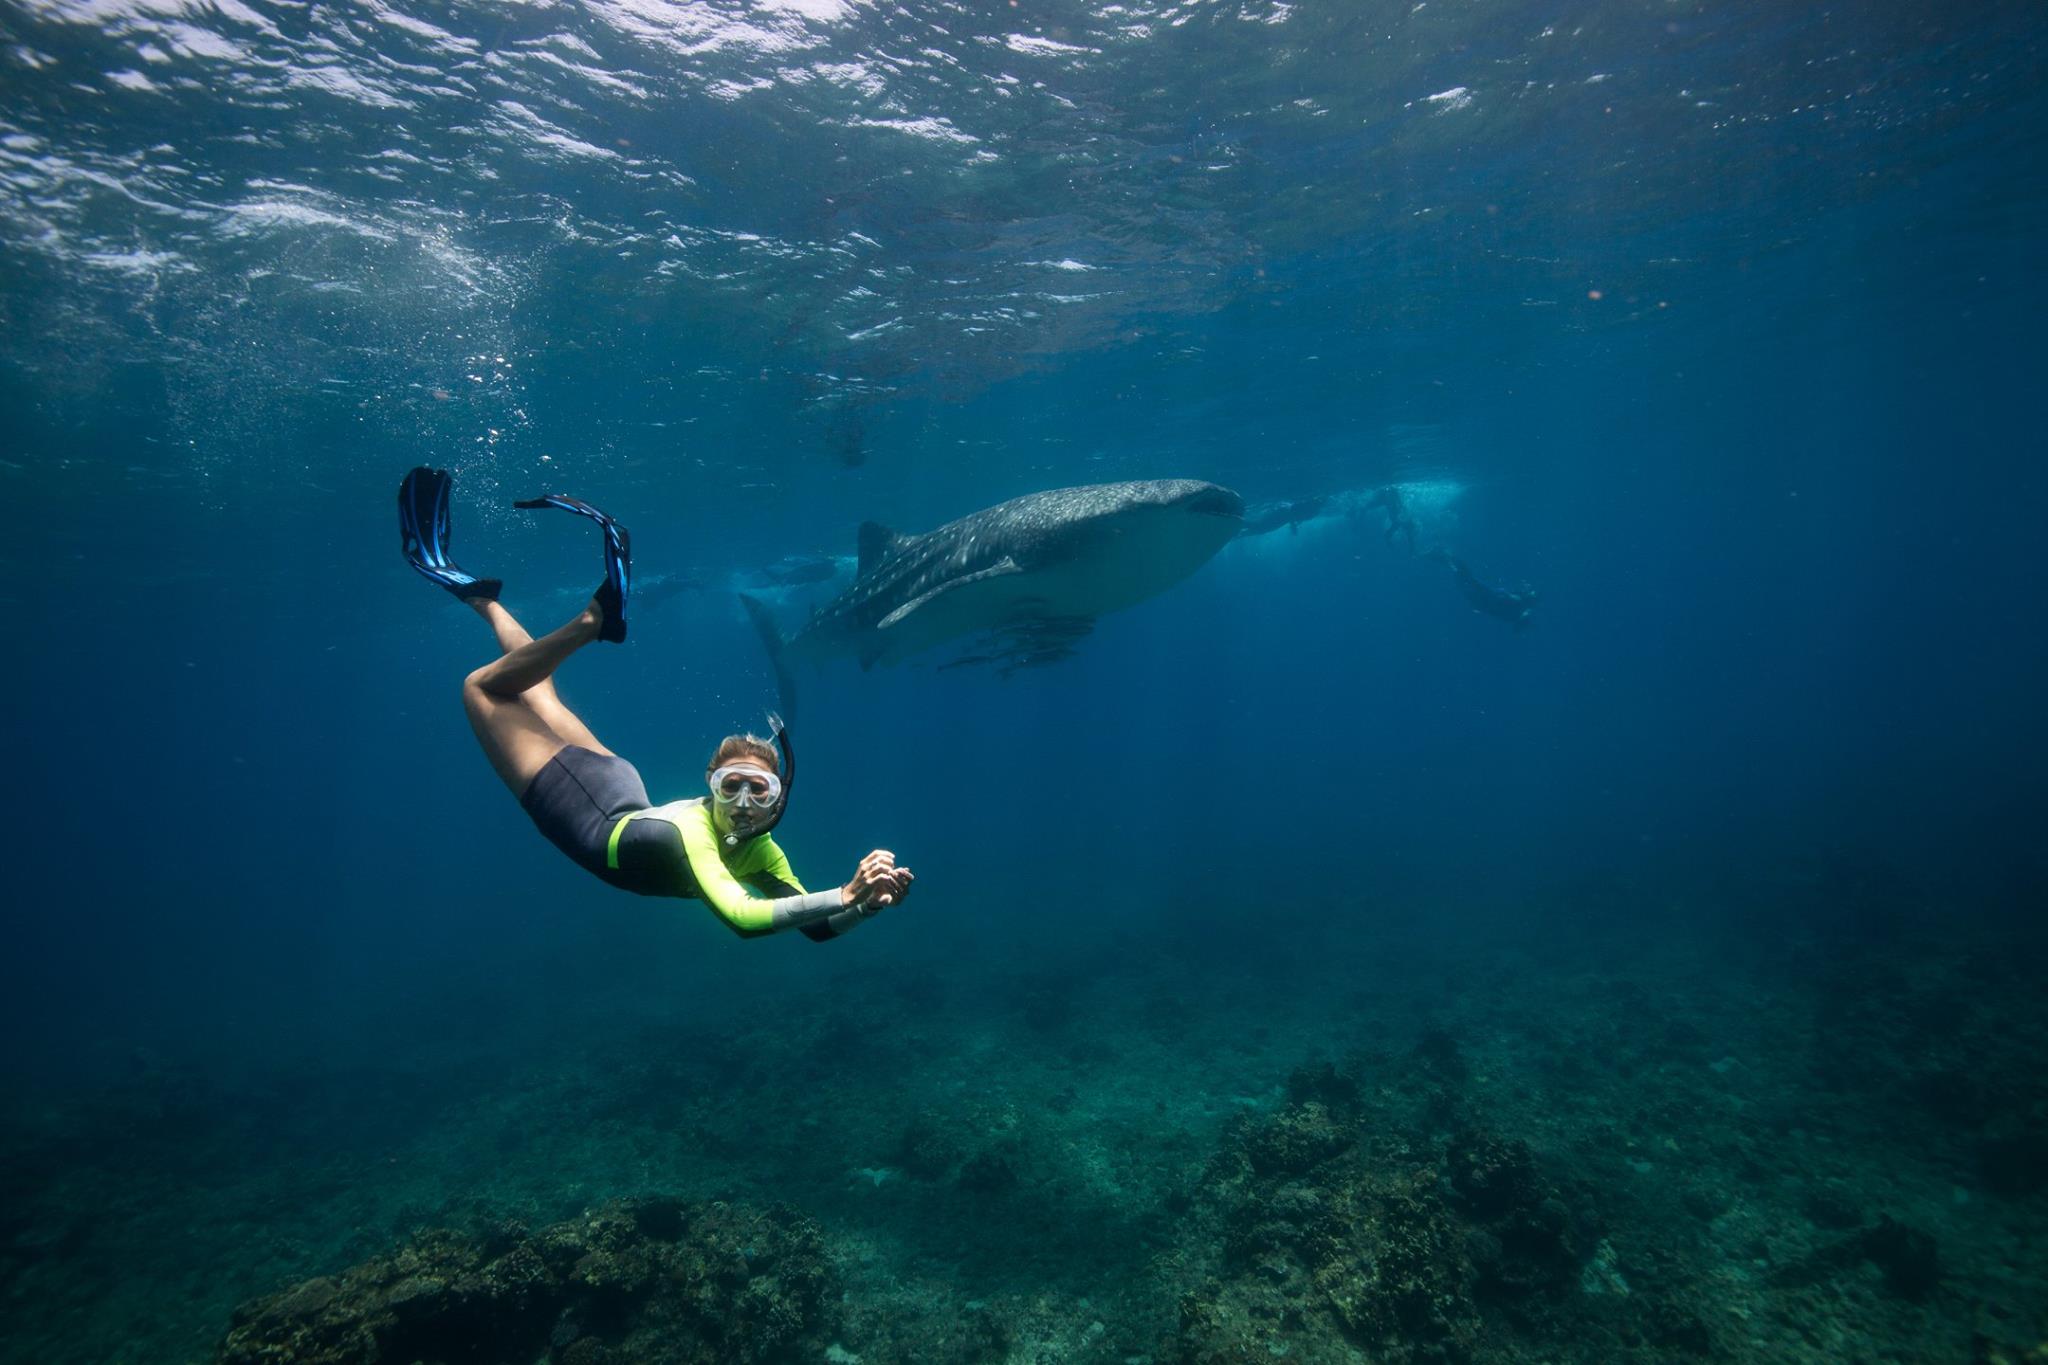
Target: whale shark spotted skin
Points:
(1032, 573)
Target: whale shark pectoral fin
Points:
(1000, 569)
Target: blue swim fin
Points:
(423, 533)
(618, 562)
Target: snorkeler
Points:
(1400, 521)
(1512, 607)
(1268, 517)
(591, 803)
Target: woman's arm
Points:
(877, 884)
(777, 878)
(742, 913)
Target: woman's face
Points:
(743, 794)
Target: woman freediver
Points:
(591, 803)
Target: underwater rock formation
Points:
(1644, 1163)
(1523, 1241)
(1908, 1258)
(933, 1145)
(644, 1280)
(1349, 1230)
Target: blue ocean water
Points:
(1719, 326)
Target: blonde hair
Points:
(743, 746)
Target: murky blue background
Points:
(1721, 324)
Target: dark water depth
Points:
(1311, 966)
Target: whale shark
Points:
(1028, 576)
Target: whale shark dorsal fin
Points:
(1000, 569)
(874, 540)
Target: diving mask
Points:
(739, 786)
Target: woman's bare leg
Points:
(516, 734)
(542, 697)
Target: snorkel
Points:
(780, 734)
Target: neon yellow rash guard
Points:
(749, 885)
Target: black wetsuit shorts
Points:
(578, 798)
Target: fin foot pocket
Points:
(613, 628)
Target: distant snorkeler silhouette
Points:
(666, 588)
(795, 570)
(847, 440)
(1513, 607)
(1268, 517)
(1400, 521)
(591, 803)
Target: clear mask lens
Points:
(745, 788)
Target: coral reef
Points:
(1345, 1228)
(643, 1280)
(1599, 1150)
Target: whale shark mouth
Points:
(1212, 502)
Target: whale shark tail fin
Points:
(778, 656)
